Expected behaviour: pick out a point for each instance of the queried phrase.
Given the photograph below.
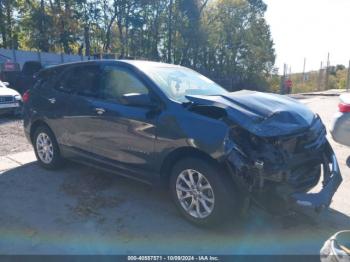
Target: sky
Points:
(309, 29)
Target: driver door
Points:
(125, 134)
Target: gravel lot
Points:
(12, 139)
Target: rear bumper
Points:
(27, 123)
(331, 181)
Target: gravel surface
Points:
(12, 139)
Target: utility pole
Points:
(319, 87)
(304, 70)
(290, 72)
(327, 73)
(348, 82)
(283, 78)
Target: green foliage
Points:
(227, 40)
(317, 81)
(274, 83)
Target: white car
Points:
(10, 99)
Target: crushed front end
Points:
(278, 172)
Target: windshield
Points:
(177, 82)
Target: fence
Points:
(21, 57)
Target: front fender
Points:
(188, 129)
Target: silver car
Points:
(340, 129)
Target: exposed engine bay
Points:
(274, 170)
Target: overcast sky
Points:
(311, 29)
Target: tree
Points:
(8, 24)
(240, 41)
(89, 12)
(227, 40)
(35, 25)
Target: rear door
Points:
(82, 85)
(48, 103)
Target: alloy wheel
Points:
(44, 148)
(195, 193)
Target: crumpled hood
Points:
(262, 114)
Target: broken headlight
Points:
(256, 141)
(231, 139)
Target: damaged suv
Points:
(217, 152)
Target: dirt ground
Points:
(12, 139)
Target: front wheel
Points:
(202, 193)
(46, 148)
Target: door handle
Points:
(52, 100)
(100, 111)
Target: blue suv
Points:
(217, 152)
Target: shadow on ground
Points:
(80, 210)
(6, 118)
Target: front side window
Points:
(177, 82)
(117, 82)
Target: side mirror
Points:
(139, 100)
(6, 83)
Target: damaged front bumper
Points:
(331, 180)
(274, 192)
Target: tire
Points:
(216, 191)
(46, 148)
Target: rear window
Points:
(30, 68)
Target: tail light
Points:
(25, 96)
(344, 108)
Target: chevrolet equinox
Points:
(217, 152)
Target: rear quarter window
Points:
(47, 78)
(80, 80)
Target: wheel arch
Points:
(35, 125)
(56, 160)
(181, 153)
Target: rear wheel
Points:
(201, 192)
(46, 148)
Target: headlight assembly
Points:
(18, 98)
